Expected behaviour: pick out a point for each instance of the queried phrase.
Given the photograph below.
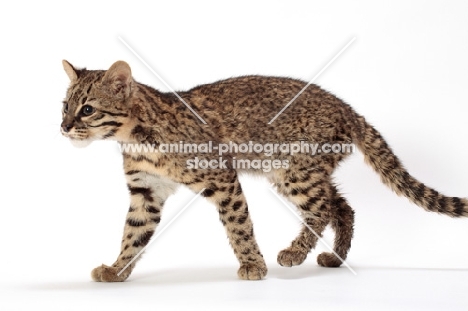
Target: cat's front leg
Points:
(222, 187)
(148, 194)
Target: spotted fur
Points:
(110, 105)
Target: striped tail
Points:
(381, 158)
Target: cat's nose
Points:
(66, 127)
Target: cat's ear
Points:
(119, 78)
(70, 70)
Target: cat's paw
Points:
(108, 274)
(328, 260)
(252, 271)
(291, 257)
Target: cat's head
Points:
(97, 104)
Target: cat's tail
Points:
(381, 158)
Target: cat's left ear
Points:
(119, 78)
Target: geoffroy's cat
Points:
(112, 105)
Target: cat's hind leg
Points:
(310, 190)
(342, 222)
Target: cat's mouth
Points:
(77, 140)
(80, 143)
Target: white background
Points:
(63, 208)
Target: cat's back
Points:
(244, 106)
(248, 87)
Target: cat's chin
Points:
(80, 143)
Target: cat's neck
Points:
(158, 117)
(147, 107)
(149, 104)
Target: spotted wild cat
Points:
(111, 105)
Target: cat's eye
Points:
(87, 110)
(65, 107)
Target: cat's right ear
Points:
(70, 70)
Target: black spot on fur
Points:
(143, 239)
(236, 205)
(132, 172)
(152, 209)
(459, 206)
(241, 220)
(225, 202)
(156, 219)
(208, 193)
(442, 204)
(108, 123)
(136, 222)
(109, 134)
(246, 251)
(310, 202)
(145, 192)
